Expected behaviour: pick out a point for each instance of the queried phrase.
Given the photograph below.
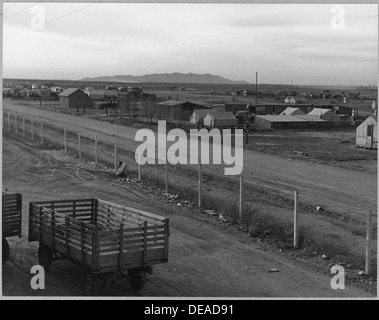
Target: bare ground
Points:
(342, 222)
(206, 259)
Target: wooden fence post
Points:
(139, 165)
(199, 201)
(368, 243)
(23, 126)
(15, 123)
(79, 146)
(295, 220)
(9, 121)
(95, 150)
(65, 139)
(115, 156)
(41, 132)
(166, 175)
(32, 128)
(241, 198)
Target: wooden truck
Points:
(105, 239)
(11, 219)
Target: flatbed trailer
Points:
(11, 220)
(103, 238)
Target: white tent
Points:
(220, 119)
(292, 112)
(325, 114)
(197, 115)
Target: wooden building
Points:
(367, 133)
(74, 98)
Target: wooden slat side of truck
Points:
(103, 238)
(11, 220)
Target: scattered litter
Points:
(320, 209)
(342, 141)
(121, 168)
(361, 273)
(324, 257)
(272, 270)
(211, 212)
(300, 153)
(179, 204)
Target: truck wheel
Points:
(91, 283)
(137, 281)
(45, 256)
(5, 250)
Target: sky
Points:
(303, 43)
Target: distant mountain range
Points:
(167, 78)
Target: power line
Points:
(11, 5)
(70, 13)
(5, 18)
(50, 21)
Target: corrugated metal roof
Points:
(178, 103)
(311, 118)
(289, 118)
(172, 103)
(69, 92)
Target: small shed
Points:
(74, 98)
(292, 111)
(367, 133)
(220, 120)
(325, 114)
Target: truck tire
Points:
(5, 250)
(45, 256)
(91, 283)
(137, 281)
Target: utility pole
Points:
(256, 87)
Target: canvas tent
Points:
(197, 115)
(292, 112)
(325, 114)
(220, 119)
(367, 133)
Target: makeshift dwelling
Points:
(220, 120)
(325, 114)
(266, 122)
(177, 110)
(292, 111)
(74, 98)
(367, 133)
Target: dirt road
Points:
(342, 191)
(206, 259)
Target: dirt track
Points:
(206, 259)
(338, 190)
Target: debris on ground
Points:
(272, 270)
(299, 153)
(320, 209)
(211, 212)
(342, 141)
(121, 168)
(324, 257)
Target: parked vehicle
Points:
(106, 239)
(11, 220)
